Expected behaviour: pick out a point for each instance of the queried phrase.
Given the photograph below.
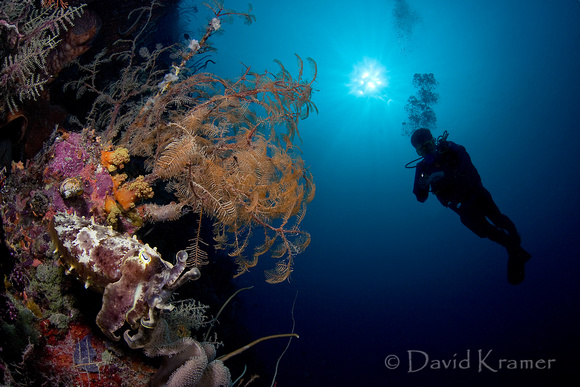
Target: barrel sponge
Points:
(190, 373)
(216, 375)
(189, 367)
(209, 349)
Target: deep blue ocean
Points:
(393, 292)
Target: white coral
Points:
(167, 80)
(215, 24)
(194, 44)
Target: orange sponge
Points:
(110, 204)
(128, 193)
(115, 159)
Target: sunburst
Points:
(369, 79)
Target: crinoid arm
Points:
(226, 162)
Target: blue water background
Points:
(385, 274)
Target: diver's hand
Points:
(424, 181)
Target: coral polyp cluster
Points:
(129, 193)
(115, 159)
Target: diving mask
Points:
(426, 147)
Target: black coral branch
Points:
(29, 34)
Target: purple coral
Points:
(18, 279)
(8, 311)
(76, 157)
(69, 157)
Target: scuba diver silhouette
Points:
(447, 171)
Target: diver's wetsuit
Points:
(453, 178)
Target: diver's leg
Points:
(500, 220)
(517, 256)
(507, 236)
(472, 217)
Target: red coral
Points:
(56, 3)
(57, 359)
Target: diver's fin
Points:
(516, 265)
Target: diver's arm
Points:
(464, 164)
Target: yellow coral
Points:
(112, 210)
(127, 194)
(113, 160)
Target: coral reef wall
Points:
(144, 137)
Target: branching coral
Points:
(27, 36)
(55, 3)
